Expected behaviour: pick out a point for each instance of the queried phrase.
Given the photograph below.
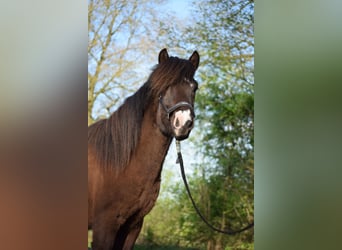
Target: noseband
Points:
(175, 107)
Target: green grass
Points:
(149, 247)
(145, 247)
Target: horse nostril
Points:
(177, 123)
(188, 123)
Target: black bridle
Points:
(175, 107)
(229, 232)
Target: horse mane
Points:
(169, 73)
(116, 138)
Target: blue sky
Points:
(180, 7)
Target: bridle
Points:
(175, 107)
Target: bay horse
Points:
(126, 151)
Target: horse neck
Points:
(153, 145)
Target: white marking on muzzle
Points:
(181, 118)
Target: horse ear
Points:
(163, 56)
(195, 59)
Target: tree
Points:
(120, 36)
(225, 106)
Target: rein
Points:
(229, 232)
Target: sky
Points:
(180, 7)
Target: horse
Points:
(126, 151)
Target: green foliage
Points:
(225, 108)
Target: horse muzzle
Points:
(181, 116)
(182, 121)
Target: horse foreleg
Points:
(133, 235)
(126, 236)
(104, 234)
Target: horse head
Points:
(175, 115)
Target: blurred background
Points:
(43, 127)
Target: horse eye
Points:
(194, 86)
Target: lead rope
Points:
(180, 161)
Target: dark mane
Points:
(115, 139)
(170, 73)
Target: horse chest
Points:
(145, 181)
(148, 198)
